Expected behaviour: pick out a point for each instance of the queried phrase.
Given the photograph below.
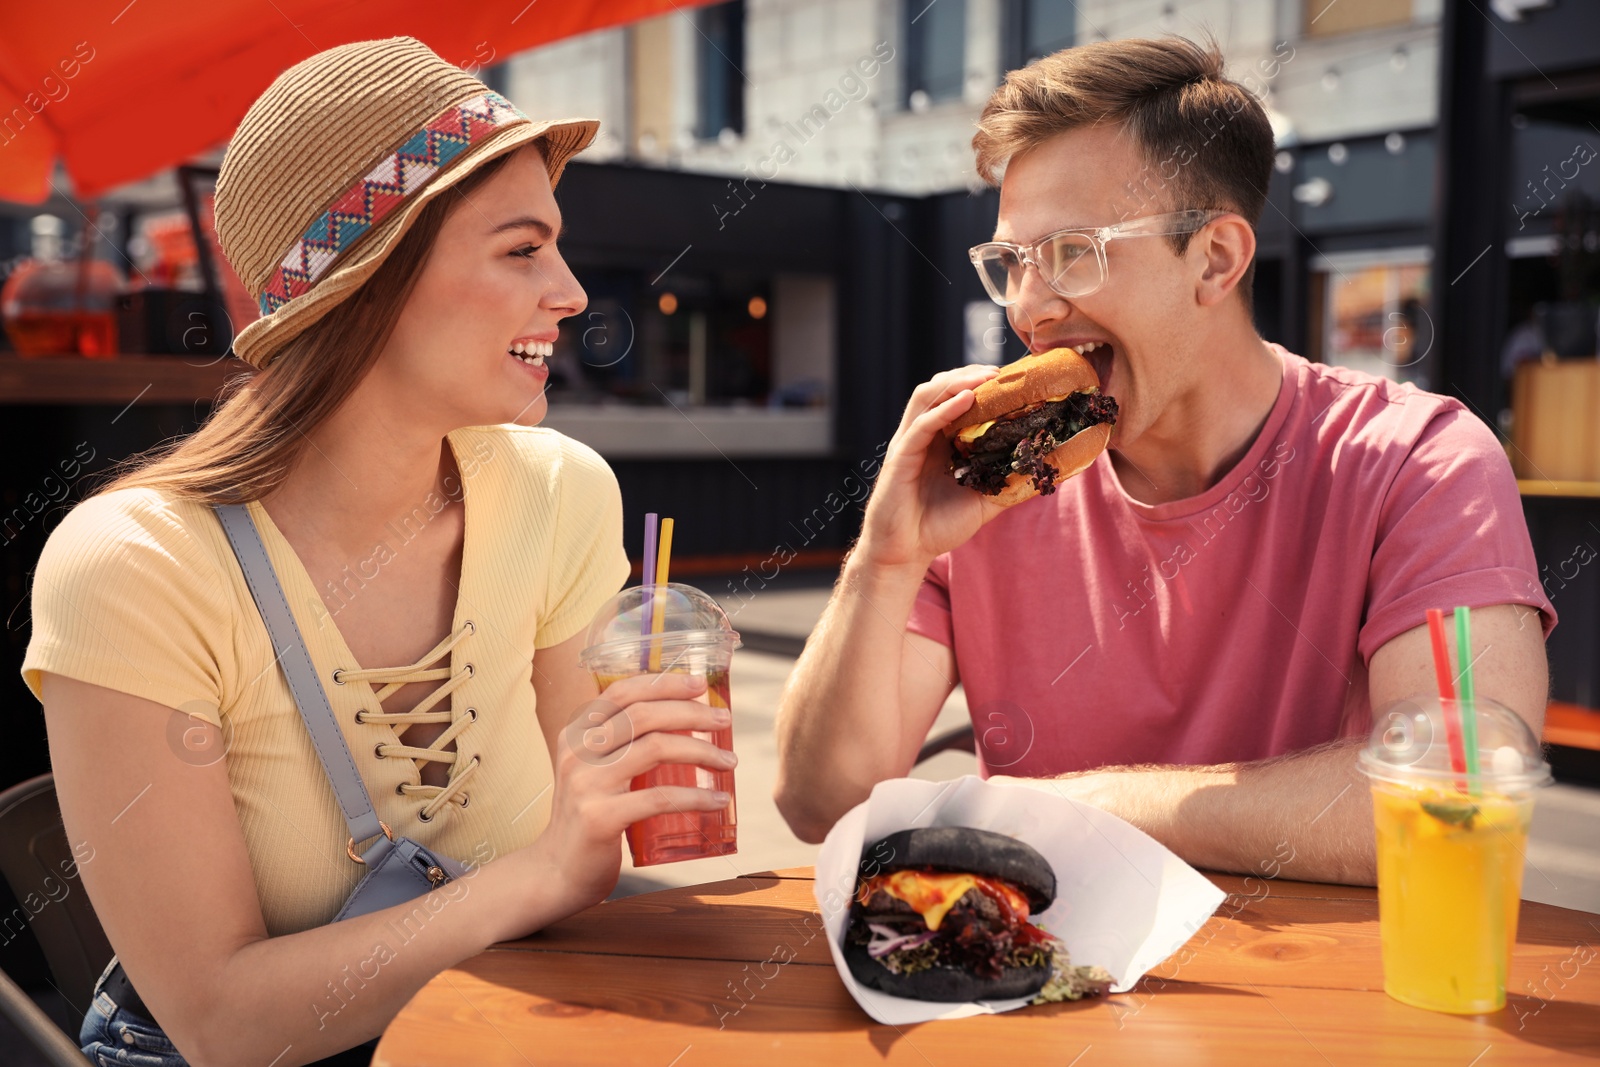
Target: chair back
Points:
(37, 862)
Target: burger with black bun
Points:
(1036, 424)
(941, 914)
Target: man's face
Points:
(1145, 315)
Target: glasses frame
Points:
(1165, 225)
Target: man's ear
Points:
(1224, 250)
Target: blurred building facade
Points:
(724, 329)
(883, 95)
(772, 230)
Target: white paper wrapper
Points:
(1123, 901)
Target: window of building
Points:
(1324, 18)
(729, 363)
(1033, 29)
(1550, 330)
(1369, 311)
(1553, 227)
(719, 65)
(699, 340)
(936, 43)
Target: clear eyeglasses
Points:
(1071, 262)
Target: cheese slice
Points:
(932, 895)
(970, 434)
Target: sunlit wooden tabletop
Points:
(738, 972)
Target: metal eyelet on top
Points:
(471, 626)
(465, 800)
(338, 676)
(472, 714)
(471, 671)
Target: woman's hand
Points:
(606, 744)
(917, 510)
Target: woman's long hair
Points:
(251, 442)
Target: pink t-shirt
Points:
(1091, 629)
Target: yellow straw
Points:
(658, 621)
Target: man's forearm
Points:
(838, 725)
(1306, 815)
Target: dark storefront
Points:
(1518, 278)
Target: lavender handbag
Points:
(398, 868)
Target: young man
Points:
(1193, 633)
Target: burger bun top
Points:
(1030, 380)
(963, 849)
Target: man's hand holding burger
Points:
(977, 440)
(917, 510)
(972, 442)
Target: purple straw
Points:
(647, 580)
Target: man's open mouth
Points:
(1100, 355)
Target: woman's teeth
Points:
(533, 352)
(1087, 347)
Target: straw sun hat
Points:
(331, 165)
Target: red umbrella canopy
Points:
(119, 89)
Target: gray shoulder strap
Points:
(309, 696)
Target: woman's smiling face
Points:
(494, 282)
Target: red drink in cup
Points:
(672, 628)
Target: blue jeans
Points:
(111, 1034)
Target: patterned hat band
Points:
(383, 189)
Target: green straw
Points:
(1469, 713)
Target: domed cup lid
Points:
(1410, 744)
(689, 618)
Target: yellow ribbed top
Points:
(143, 594)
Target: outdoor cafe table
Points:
(738, 972)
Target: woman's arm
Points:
(172, 884)
(561, 688)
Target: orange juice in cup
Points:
(1450, 849)
(672, 628)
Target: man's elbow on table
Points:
(813, 791)
(812, 799)
(803, 810)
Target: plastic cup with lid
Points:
(1450, 848)
(672, 628)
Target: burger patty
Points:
(973, 934)
(1019, 445)
(881, 905)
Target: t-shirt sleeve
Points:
(588, 563)
(930, 612)
(124, 597)
(1451, 532)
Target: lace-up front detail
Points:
(386, 681)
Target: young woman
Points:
(440, 555)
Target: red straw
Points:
(1447, 693)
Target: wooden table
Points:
(738, 972)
